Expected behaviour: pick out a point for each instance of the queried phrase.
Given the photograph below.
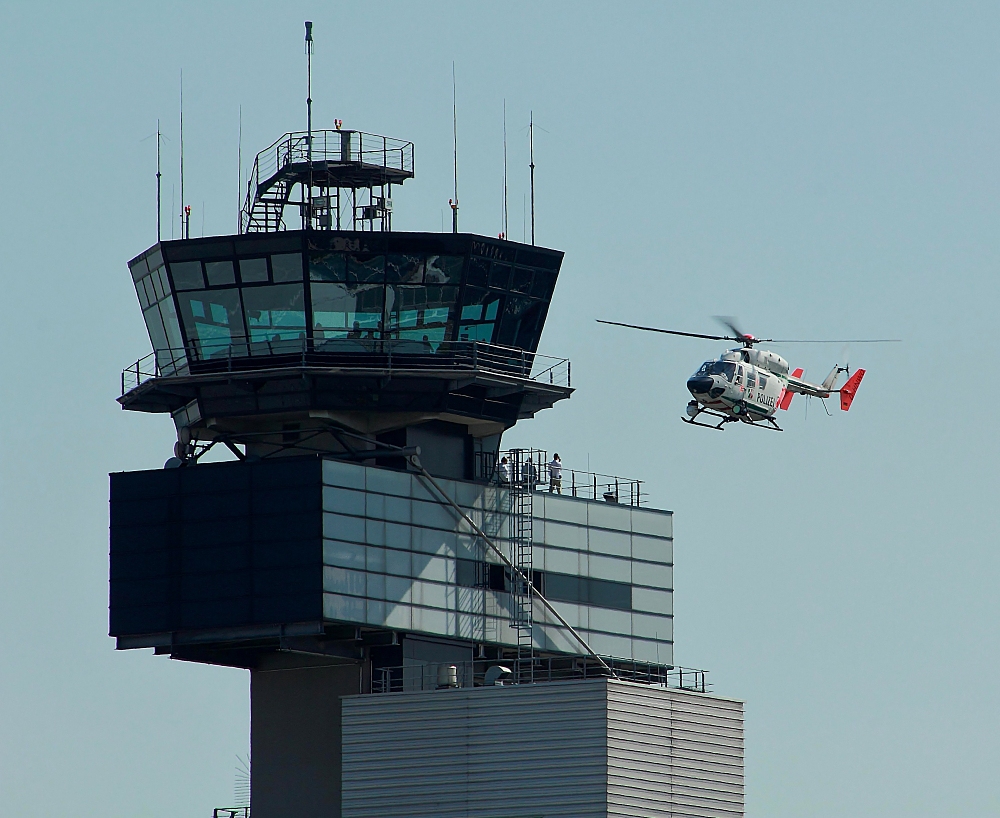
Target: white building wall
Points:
(390, 551)
(579, 749)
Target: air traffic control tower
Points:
(429, 630)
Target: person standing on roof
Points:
(504, 471)
(555, 474)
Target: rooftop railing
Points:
(445, 675)
(533, 467)
(245, 354)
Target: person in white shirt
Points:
(504, 470)
(555, 474)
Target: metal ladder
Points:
(524, 475)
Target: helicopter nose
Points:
(700, 384)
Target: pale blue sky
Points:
(824, 170)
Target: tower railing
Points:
(246, 354)
(445, 675)
(268, 189)
(581, 483)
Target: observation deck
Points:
(324, 165)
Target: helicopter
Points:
(750, 385)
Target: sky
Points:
(820, 170)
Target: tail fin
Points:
(786, 399)
(850, 389)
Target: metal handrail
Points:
(587, 485)
(244, 353)
(327, 146)
(428, 675)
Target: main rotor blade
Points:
(671, 331)
(832, 341)
(729, 322)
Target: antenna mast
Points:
(454, 135)
(239, 177)
(159, 234)
(531, 149)
(309, 118)
(505, 168)
(184, 232)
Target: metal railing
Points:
(338, 147)
(445, 675)
(244, 354)
(537, 471)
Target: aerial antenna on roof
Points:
(504, 168)
(309, 115)
(183, 232)
(239, 177)
(531, 166)
(158, 175)
(454, 137)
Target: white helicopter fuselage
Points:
(742, 383)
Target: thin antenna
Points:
(309, 116)
(454, 136)
(531, 148)
(239, 178)
(505, 168)
(183, 236)
(159, 234)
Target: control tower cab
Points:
(343, 335)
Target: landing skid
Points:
(724, 419)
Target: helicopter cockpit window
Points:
(725, 368)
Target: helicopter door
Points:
(739, 376)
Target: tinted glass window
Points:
(154, 325)
(287, 267)
(187, 275)
(419, 313)
(500, 276)
(521, 282)
(444, 269)
(275, 314)
(365, 268)
(479, 271)
(404, 269)
(564, 588)
(607, 594)
(170, 324)
(142, 292)
(346, 311)
(543, 284)
(520, 320)
(467, 572)
(220, 273)
(213, 323)
(161, 276)
(253, 269)
(328, 267)
(600, 592)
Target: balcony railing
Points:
(444, 675)
(242, 354)
(534, 468)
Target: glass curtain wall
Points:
(260, 303)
